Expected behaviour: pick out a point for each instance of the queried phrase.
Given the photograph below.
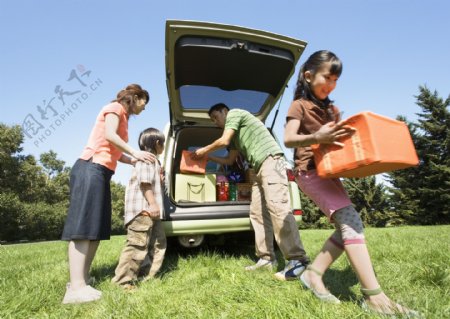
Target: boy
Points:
(143, 208)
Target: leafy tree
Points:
(57, 178)
(12, 217)
(118, 206)
(19, 174)
(425, 190)
(27, 189)
(59, 188)
(43, 221)
(30, 183)
(52, 166)
(34, 198)
(10, 140)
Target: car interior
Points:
(191, 138)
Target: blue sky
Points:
(69, 58)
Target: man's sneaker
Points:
(292, 271)
(263, 264)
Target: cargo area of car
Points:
(191, 138)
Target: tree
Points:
(34, 199)
(52, 166)
(30, 183)
(12, 217)
(404, 186)
(19, 174)
(118, 208)
(10, 140)
(57, 178)
(425, 190)
(371, 200)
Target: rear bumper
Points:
(210, 226)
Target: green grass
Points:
(412, 264)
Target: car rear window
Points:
(203, 97)
(237, 72)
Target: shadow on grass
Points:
(103, 273)
(232, 245)
(228, 246)
(339, 283)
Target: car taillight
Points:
(290, 175)
(297, 212)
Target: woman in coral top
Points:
(89, 216)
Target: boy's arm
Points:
(150, 197)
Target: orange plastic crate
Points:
(379, 145)
(189, 165)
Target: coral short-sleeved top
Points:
(98, 148)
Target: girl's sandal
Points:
(325, 297)
(395, 311)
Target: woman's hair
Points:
(313, 64)
(126, 96)
(148, 139)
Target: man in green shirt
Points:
(270, 212)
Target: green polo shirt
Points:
(251, 137)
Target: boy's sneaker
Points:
(263, 264)
(292, 271)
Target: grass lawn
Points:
(412, 264)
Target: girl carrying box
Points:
(313, 119)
